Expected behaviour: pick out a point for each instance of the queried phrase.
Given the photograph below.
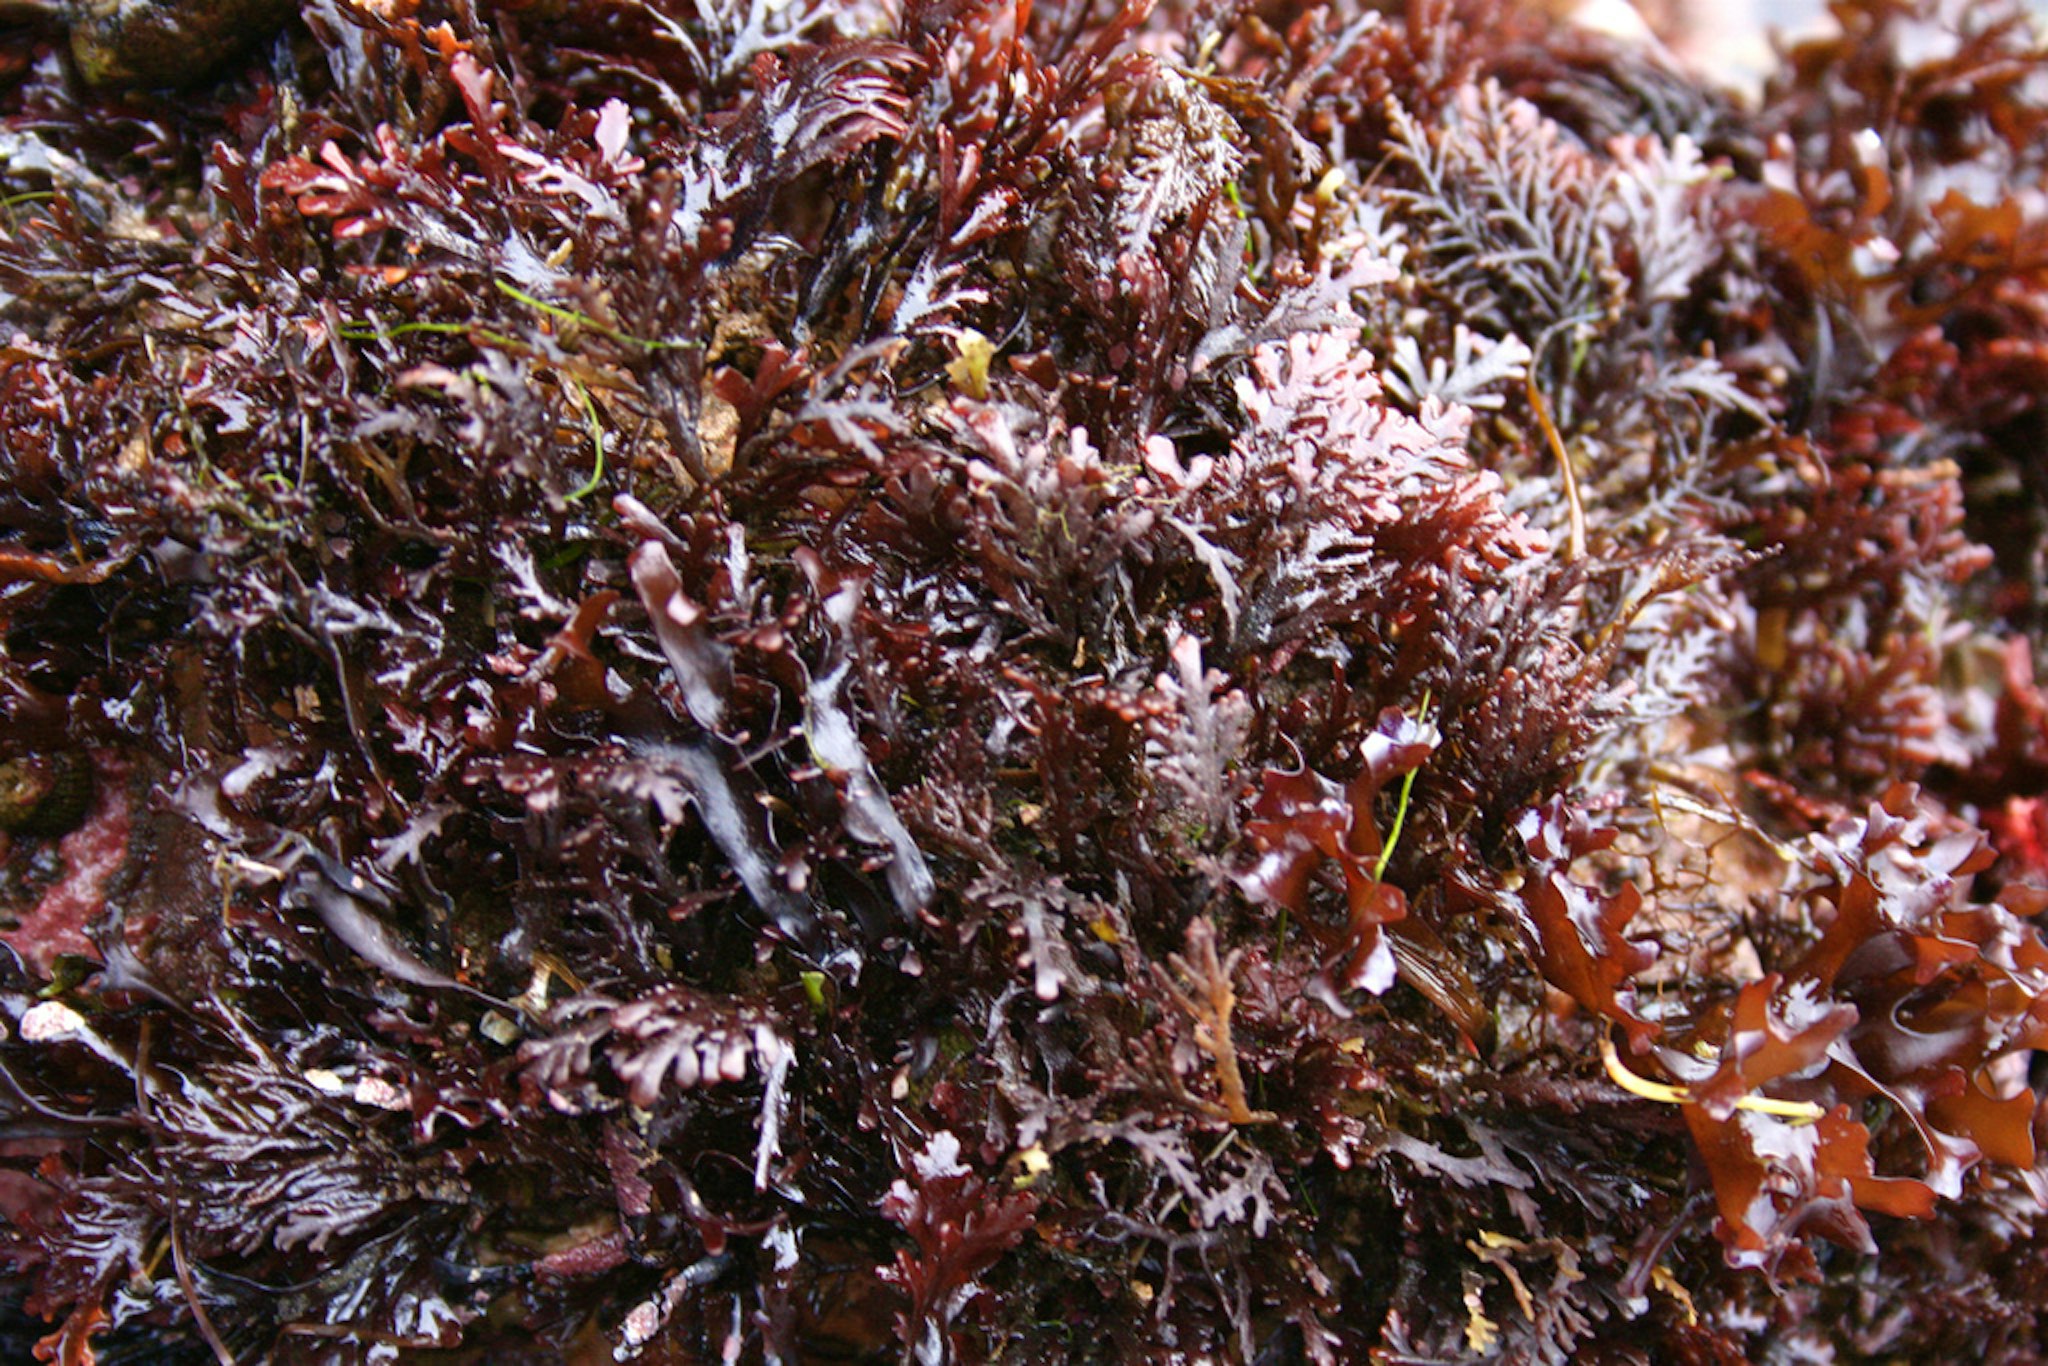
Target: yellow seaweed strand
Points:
(1798, 1111)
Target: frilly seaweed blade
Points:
(1050, 682)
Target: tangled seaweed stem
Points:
(1211, 1005)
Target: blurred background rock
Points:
(1728, 40)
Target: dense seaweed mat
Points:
(1030, 682)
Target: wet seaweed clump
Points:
(973, 680)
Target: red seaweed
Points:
(1043, 681)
